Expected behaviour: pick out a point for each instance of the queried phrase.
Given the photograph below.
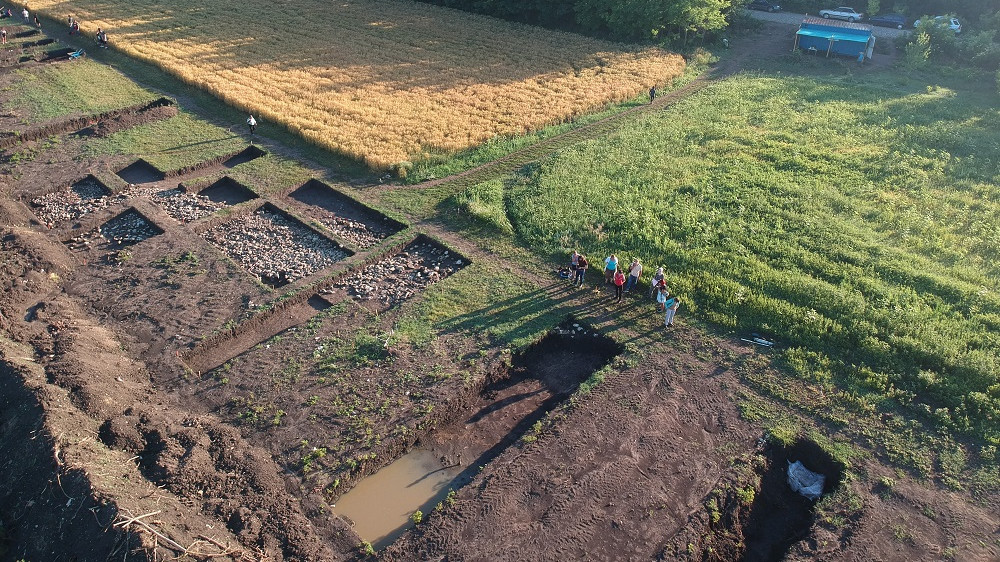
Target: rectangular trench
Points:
(381, 507)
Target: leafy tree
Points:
(618, 19)
(918, 50)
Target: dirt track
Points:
(155, 404)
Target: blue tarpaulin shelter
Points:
(849, 39)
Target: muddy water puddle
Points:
(381, 505)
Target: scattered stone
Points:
(128, 228)
(274, 247)
(85, 196)
(186, 207)
(88, 196)
(357, 233)
(395, 279)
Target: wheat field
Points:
(383, 82)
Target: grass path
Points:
(516, 160)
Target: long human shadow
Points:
(537, 303)
(473, 468)
(193, 144)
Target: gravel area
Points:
(357, 233)
(186, 207)
(792, 18)
(128, 228)
(274, 247)
(84, 197)
(393, 280)
(125, 229)
(88, 196)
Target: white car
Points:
(842, 13)
(952, 23)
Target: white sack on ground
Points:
(805, 481)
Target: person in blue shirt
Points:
(610, 266)
(672, 304)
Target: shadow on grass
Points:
(515, 319)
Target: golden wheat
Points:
(380, 81)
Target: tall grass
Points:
(387, 83)
(856, 224)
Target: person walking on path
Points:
(619, 284)
(671, 306)
(610, 265)
(581, 269)
(24, 13)
(38, 24)
(3, 36)
(634, 273)
(574, 261)
(652, 93)
(654, 283)
(252, 123)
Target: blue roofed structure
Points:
(833, 37)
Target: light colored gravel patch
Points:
(276, 249)
(397, 278)
(186, 207)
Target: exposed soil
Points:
(507, 409)
(159, 401)
(228, 191)
(140, 171)
(117, 119)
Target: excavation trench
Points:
(779, 517)
(381, 506)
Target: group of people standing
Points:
(74, 26)
(625, 279)
(5, 13)
(101, 36)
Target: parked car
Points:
(952, 23)
(888, 20)
(764, 5)
(842, 13)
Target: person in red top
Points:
(581, 269)
(619, 284)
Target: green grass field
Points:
(83, 87)
(171, 144)
(854, 221)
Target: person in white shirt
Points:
(634, 272)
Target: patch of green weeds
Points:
(311, 457)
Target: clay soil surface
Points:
(158, 401)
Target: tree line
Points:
(632, 20)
